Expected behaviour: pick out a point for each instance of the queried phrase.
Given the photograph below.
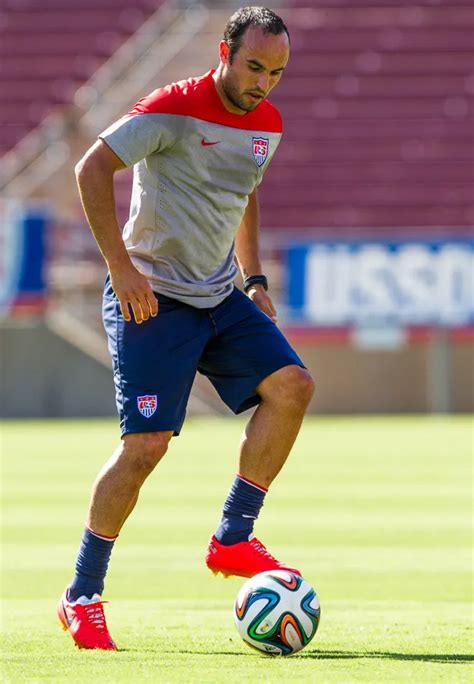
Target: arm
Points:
(95, 174)
(247, 249)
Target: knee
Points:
(143, 451)
(292, 386)
(300, 385)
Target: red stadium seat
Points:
(48, 48)
(85, 5)
(376, 102)
(304, 129)
(371, 218)
(73, 20)
(309, 175)
(378, 117)
(374, 61)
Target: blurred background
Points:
(367, 207)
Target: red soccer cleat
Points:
(245, 559)
(85, 620)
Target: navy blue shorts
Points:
(234, 344)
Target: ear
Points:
(224, 50)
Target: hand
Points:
(262, 299)
(133, 289)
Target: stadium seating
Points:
(377, 107)
(49, 47)
(376, 101)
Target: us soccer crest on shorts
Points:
(260, 150)
(147, 404)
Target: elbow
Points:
(89, 168)
(97, 165)
(89, 164)
(79, 169)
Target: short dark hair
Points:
(239, 22)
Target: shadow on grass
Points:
(332, 655)
(421, 657)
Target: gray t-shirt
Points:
(195, 165)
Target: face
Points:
(256, 68)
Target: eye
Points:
(254, 67)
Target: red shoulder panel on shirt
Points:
(198, 97)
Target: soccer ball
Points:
(277, 612)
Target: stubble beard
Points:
(233, 95)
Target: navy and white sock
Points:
(91, 565)
(241, 509)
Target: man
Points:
(199, 150)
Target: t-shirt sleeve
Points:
(136, 136)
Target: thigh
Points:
(246, 348)
(154, 363)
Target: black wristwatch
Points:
(255, 280)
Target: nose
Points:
(263, 82)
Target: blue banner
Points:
(416, 282)
(22, 256)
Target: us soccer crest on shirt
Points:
(260, 150)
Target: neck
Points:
(228, 104)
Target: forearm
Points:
(96, 190)
(247, 251)
(247, 242)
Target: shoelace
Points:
(95, 615)
(258, 546)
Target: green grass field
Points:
(376, 512)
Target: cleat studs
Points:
(224, 574)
